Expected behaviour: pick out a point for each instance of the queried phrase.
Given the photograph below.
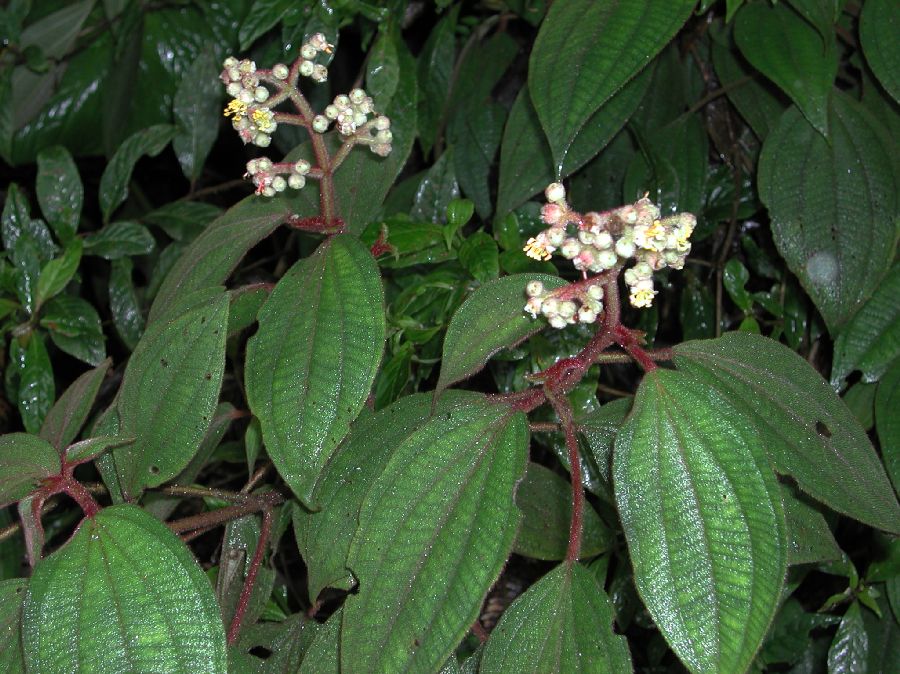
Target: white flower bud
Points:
(264, 164)
(262, 140)
(558, 322)
(318, 42)
(230, 62)
(550, 307)
(261, 94)
(593, 305)
(306, 68)
(233, 89)
(331, 111)
(625, 248)
(384, 136)
(534, 288)
(555, 193)
(302, 167)
(342, 101)
(320, 124)
(381, 149)
(359, 119)
(280, 71)
(268, 192)
(585, 237)
(308, 52)
(252, 166)
(595, 292)
(245, 96)
(555, 236)
(234, 74)
(357, 96)
(247, 66)
(585, 315)
(603, 240)
(643, 270)
(570, 248)
(295, 181)
(567, 309)
(320, 73)
(279, 184)
(382, 123)
(607, 259)
(533, 306)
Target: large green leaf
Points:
(809, 538)
(124, 594)
(324, 536)
(197, 112)
(120, 239)
(788, 50)
(850, 646)
(878, 26)
(491, 318)
(563, 623)
(887, 421)
(833, 204)
(526, 164)
(59, 191)
(117, 175)
(586, 51)
(435, 73)
(212, 256)
(702, 513)
(475, 134)
(56, 274)
(68, 414)
(170, 390)
(434, 533)
(25, 460)
(12, 594)
(808, 431)
(871, 339)
(310, 367)
(74, 326)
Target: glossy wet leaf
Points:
(170, 390)
(887, 421)
(870, 341)
(120, 239)
(475, 133)
(434, 532)
(183, 220)
(832, 204)
(809, 433)
(56, 274)
(36, 390)
(196, 108)
(87, 450)
(25, 460)
(435, 71)
(545, 500)
(74, 326)
(849, 649)
(213, 255)
(65, 419)
(562, 623)
(309, 372)
(260, 19)
(59, 191)
(383, 72)
(117, 175)
(124, 304)
(491, 318)
(570, 76)
(127, 564)
(479, 256)
(878, 26)
(12, 594)
(788, 50)
(436, 190)
(702, 513)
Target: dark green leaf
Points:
(25, 460)
(68, 414)
(809, 433)
(563, 623)
(74, 326)
(323, 656)
(246, 302)
(475, 133)
(493, 317)
(196, 108)
(394, 376)
(170, 390)
(16, 216)
(90, 449)
(545, 500)
(183, 220)
(570, 76)
(789, 51)
(127, 314)
(383, 72)
(599, 428)
(437, 189)
(126, 564)
(697, 310)
(12, 594)
(56, 274)
(120, 239)
(702, 514)
(309, 372)
(261, 18)
(887, 421)
(428, 547)
(435, 70)
(832, 204)
(26, 259)
(849, 650)
(734, 278)
(883, 638)
(117, 175)
(809, 538)
(412, 242)
(789, 636)
(36, 389)
(878, 32)
(870, 341)
(213, 255)
(59, 191)
(479, 256)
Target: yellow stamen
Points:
(536, 249)
(235, 109)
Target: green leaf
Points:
(545, 500)
(887, 421)
(436, 191)
(122, 564)
(120, 239)
(435, 72)
(789, 51)
(12, 594)
(809, 538)
(870, 341)
(878, 25)
(170, 390)
(324, 536)
(197, 110)
(849, 650)
(25, 460)
(599, 429)
(239, 544)
(127, 314)
(65, 419)
(734, 278)
(702, 514)
(570, 76)
(56, 274)
(213, 255)
(492, 318)
(323, 656)
(36, 390)
(90, 449)
(562, 623)
(475, 133)
(434, 532)
(59, 191)
(183, 220)
(789, 636)
(479, 256)
(383, 71)
(74, 326)
(261, 18)
(245, 303)
(809, 433)
(117, 175)
(526, 164)
(309, 372)
(833, 204)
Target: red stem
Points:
(77, 491)
(564, 411)
(630, 341)
(244, 600)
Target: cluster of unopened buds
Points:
(597, 242)
(564, 307)
(252, 115)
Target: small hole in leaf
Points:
(154, 470)
(823, 430)
(164, 362)
(207, 376)
(260, 652)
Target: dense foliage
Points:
(476, 336)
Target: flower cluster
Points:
(350, 115)
(580, 306)
(254, 122)
(270, 179)
(602, 241)
(316, 45)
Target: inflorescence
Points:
(252, 115)
(602, 242)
